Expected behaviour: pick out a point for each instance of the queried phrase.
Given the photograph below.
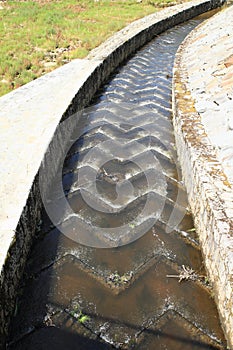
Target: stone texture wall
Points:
(47, 101)
(208, 191)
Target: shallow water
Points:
(130, 292)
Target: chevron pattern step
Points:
(174, 331)
(121, 178)
(54, 246)
(59, 286)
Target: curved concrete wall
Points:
(209, 189)
(29, 117)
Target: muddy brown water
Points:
(129, 295)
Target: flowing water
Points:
(132, 276)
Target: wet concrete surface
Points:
(131, 295)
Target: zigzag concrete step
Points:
(96, 300)
(124, 122)
(52, 337)
(129, 294)
(174, 331)
(128, 170)
(87, 212)
(150, 142)
(156, 243)
(106, 187)
(126, 131)
(153, 149)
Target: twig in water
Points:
(186, 274)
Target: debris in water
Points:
(187, 274)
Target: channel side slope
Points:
(203, 117)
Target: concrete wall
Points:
(29, 117)
(209, 191)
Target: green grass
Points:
(39, 36)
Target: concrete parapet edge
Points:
(43, 104)
(208, 192)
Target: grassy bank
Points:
(38, 36)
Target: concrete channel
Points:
(149, 288)
(202, 106)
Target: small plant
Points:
(83, 318)
(192, 230)
(79, 315)
(117, 280)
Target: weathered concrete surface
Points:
(210, 79)
(29, 117)
(203, 105)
